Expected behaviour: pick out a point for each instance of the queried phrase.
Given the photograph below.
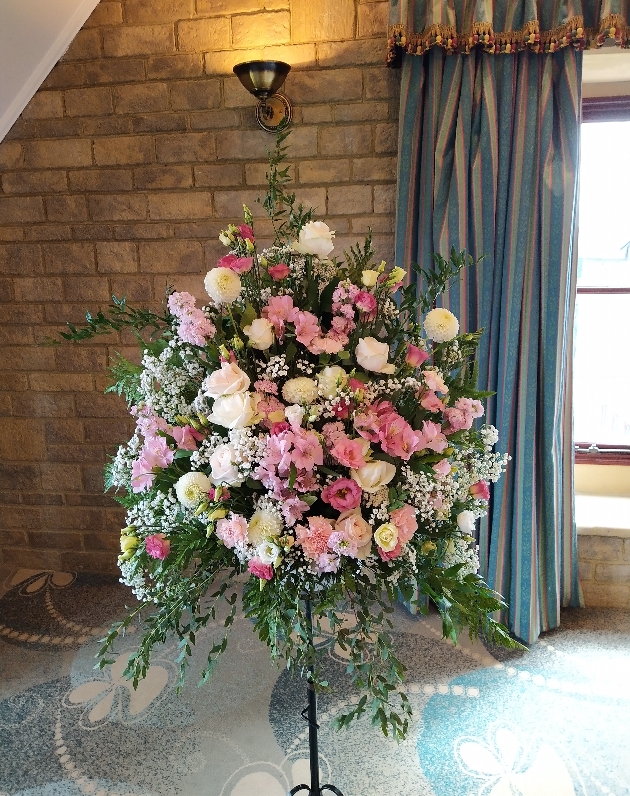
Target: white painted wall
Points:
(34, 34)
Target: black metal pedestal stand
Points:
(309, 714)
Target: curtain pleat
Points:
(488, 157)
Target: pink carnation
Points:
(232, 531)
(388, 556)
(480, 491)
(260, 570)
(157, 546)
(314, 539)
(405, 520)
(343, 494)
(278, 272)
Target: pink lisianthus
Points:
(232, 531)
(365, 302)
(432, 437)
(415, 356)
(341, 325)
(278, 310)
(246, 232)
(157, 546)
(348, 452)
(405, 520)
(314, 539)
(307, 451)
(343, 494)
(443, 467)
(431, 402)
(186, 437)
(260, 570)
(480, 491)
(434, 381)
(240, 265)
(306, 327)
(388, 556)
(279, 271)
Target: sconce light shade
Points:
(263, 79)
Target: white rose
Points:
(301, 390)
(223, 470)
(466, 521)
(260, 333)
(225, 381)
(294, 414)
(235, 411)
(369, 277)
(268, 552)
(192, 488)
(441, 325)
(372, 355)
(330, 379)
(373, 475)
(315, 238)
(222, 285)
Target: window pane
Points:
(602, 369)
(604, 219)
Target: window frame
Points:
(603, 109)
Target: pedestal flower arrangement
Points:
(314, 429)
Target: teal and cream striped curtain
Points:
(488, 162)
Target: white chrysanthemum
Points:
(192, 488)
(222, 285)
(441, 325)
(300, 391)
(263, 525)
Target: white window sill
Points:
(598, 515)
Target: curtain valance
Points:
(505, 26)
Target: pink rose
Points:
(415, 356)
(387, 556)
(354, 528)
(278, 272)
(480, 491)
(405, 520)
(246, 232)
(157, 546)
(342, 494)
(260, 570)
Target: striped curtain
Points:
(488, 162)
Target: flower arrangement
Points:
(305, 433)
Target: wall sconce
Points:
(263, 79)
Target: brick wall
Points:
(605, 570)
(117, 178)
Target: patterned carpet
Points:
(549, 722)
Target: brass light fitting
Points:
(264, 79)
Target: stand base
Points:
(330, 788)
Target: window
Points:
(602, 321)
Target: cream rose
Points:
(373, 475)
(352, 525)
(235, 411)
(441, 325)
(315, 238)
(330, 379)
(260, 333)
(222, 285)
(227, 380)
(192, 488)
(223, 470)
(466, 521)
(301, 390)
(386, 536)
(369, 277)
(372, 355)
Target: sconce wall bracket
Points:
(263, 79)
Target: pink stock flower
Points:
(405, 520)
(157, 546)
(186, 437)
(471, 406)
(246, 232)
(306, 327)
(155, 453)
(195, 328)
(278, 310)
(480, 491)
(260, 570)
(314, 539)
(442, 467)
(431, 402)
(180, 304)
(343, 494)
(415, 356)
(278, 272)
(432, 437)
(365, 302)
(458, 419)
(265, 385)
(348, 452)
(141, 475)
(307, 450)
(388, 556)
(232, 531)
(240, 265)
(342, 544)
(327, 562)
(434, 381)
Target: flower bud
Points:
(217, 514)
(428, 548)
